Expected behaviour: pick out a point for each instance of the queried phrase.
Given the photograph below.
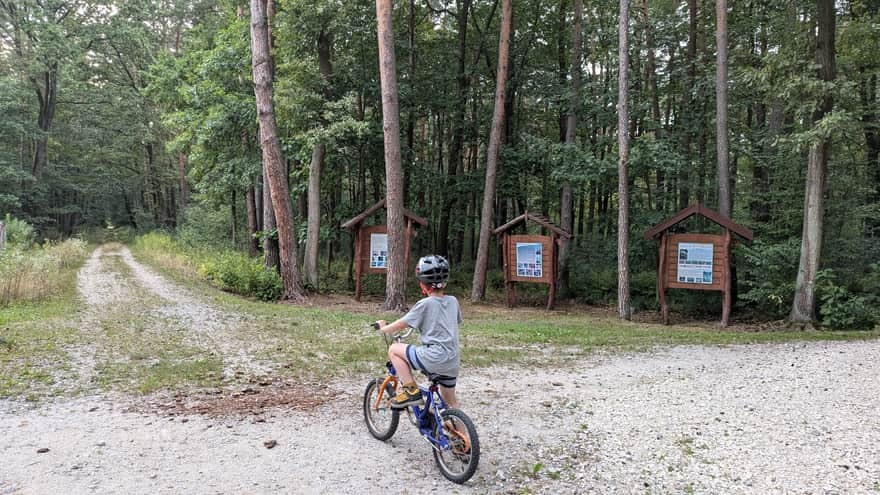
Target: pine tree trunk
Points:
(313, 229)
(47, 93)
(272, 156)
(395, 290)
(251, 206)
(270, 242)
(724, 198)
(803, 310)
(478, 291)
(686, 108)
(310, 265)
(184, 187)
(565, 213)
(624, 311)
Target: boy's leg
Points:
(410, 395)
(397, 355)
(448, 394)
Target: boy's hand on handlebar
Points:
(379, 324)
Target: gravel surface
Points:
(795, 418)
(786, 418)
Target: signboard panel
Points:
(695, 263)
(529, 259)
(379, 251)
(374, 242)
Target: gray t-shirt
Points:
(437, 320)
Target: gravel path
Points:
(796, 418)
(789, 418)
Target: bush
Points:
(839, 309)
(37, 273)
(768, 275)
(227, 270)
(19, 233)
(238, 273)
(204, 227)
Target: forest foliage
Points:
(141, 114)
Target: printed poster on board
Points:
(378, 250)
(529, 259)
(695, 263)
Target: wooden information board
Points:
(530, 258)
(371, 242)
(696, 261)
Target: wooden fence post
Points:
(2, 234)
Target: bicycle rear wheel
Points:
(381, 422)
(459, 462)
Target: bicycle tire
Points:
(468, 455)
(381, 430)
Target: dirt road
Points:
(791, 418)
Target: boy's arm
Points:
(395, 327)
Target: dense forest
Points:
(259, 128)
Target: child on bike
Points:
(436, 317)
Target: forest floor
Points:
(140, 382)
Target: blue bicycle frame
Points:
(426, 413)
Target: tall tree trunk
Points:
(565, 213)
(271, 258)
(395, 290)
(651, 67)
(724, 199)
(251, 206)
(803, 310)
(184, 187)
(478, 291)
(310, 265)
(456, 149)
(233, 217)
(624, 311)
(871, 122)
(272, 156)
(409, 157)
(47, 94)
(687, 110)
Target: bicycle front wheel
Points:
(459, 462)
(382, 420)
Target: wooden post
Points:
(2, 234)
(358, 263)
(407, 247)
(551, 299)
(661, 278)
(506, 267)
(727, 301)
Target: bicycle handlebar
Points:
(399, 335)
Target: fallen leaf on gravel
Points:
(269, 444)
(247, 402)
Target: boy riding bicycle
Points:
(436, 317)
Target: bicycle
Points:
(455, 444)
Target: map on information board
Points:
(378, 250)
(529, 259)
(695, 263)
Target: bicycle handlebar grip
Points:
(375, 325)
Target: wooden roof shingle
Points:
(699, 209)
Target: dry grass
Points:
(36, 274)
(160, 249)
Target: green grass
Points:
(137, 350)
(33, 336)
(322, 341)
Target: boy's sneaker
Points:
(409, 397)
